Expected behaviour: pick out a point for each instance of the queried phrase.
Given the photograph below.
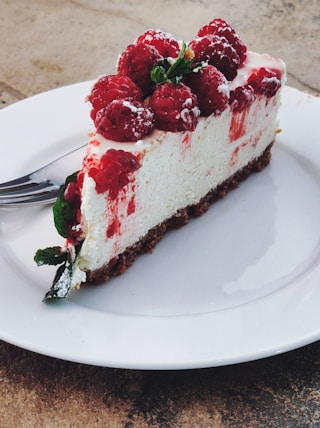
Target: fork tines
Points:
(24, 191)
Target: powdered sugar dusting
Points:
(189, 115)
(132, 107)
(224, 89)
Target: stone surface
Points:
(46, 44)
(38, 391)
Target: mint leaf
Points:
(176, 80)
(50, 256)
(172, 71)
(63, 211)
(158, 73)
(182, 65)
(61, 284)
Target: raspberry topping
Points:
(265, 81)
(113, 172)
(211, 88)
(241, 98)
(219, 27)
(109, 88)
(164, 42)
(216, 51)
(124, 120)
(175, 107)
(136, 62)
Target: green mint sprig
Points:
(172, 71)
(63, 211)
(62, 281)
(61, 284)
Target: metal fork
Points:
(42, 186)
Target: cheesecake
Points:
(177, 126)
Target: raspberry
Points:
(219, 27)
(241, 98)
(175, 107)
(109, 88)
(164, 42)
(216, 51)
(124, 120)
(265, 81)
(136, 62)
(211, 88)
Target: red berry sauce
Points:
(113, 228)
(114, 171)
(72, 195)
(238, 125)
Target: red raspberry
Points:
(124, 120)
(219, 27)
(216, 51)
(164, 42)
(241, 98)
(265, 81)
(175, 107)
(136, 62)
(211, 88)
(109, 88)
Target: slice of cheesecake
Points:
(177, 127)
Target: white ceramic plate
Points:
(240, 283)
